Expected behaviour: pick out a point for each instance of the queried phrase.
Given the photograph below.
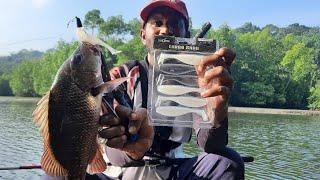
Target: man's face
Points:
(163, 21)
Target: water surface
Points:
(284, 147)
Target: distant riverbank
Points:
(273, 111)
(18, 99)
(231, 109)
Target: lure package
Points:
(174, 95)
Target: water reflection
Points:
(284, 147)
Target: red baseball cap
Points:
(176, 5)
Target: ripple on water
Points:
(20, 142)
(284, 147)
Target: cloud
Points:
(40, 3)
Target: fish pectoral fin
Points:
(49, 163)
(97, 163)
(108, 86)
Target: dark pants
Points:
(226, 164)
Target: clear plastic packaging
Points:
(174, 95)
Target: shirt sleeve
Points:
(118, 157)
(213, 139)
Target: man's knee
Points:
(226, 165)
(223, 167)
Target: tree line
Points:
(275, 67)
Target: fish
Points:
(68, 115)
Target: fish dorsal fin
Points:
(97, 164)
(40, 118)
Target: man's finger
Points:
(123, 112)
(227, 54)
(137, 149)
(221, 74)
(136, 119)
(112, 132)
(223, 57)
(213, 59)
(138, 146)
(216, 91)
(117, 142)
(109, 120)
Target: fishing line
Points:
(30, 40)
(5, 45)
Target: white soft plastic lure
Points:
(191, 59)
(174, 111)
(83, 36)
(176, 90)
(185, 101)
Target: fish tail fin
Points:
(97, 164)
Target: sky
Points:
(39, 24)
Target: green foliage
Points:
(113, 27)
(289, 40)
(257, 93)
(92, 19)
(256, 65)
(133, 50)
(21, 81)
(5, 89)
(134, 26)
(48, 66)
(314, 99)
(248, 27)
(299, 61)
(225, 36)
(123, 36)
(296, 29)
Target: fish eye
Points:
(76, 59)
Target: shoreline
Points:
(18, 99)
(251, 110)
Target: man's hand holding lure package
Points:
(174, 94)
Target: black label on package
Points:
(184, 44)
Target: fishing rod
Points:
(203, 30)
(31, 166)
(140, 163)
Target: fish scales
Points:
(78, 130)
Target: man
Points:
(170, 17)
(161, 144)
